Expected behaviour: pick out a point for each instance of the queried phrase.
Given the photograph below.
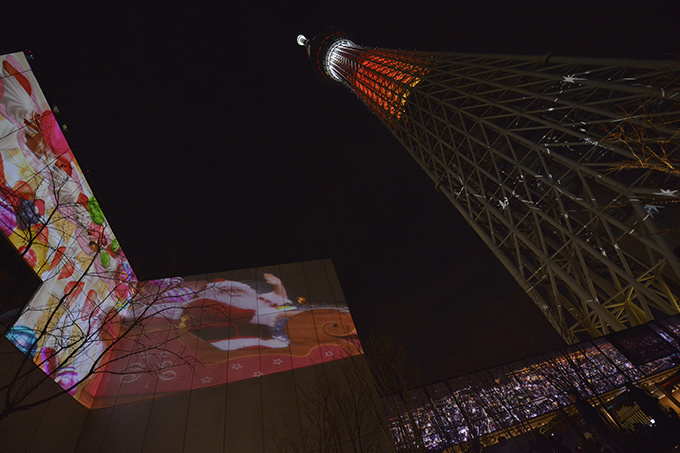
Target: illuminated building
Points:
(559, 164)
(511, 397)
(94, 360)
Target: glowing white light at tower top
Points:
(302, 40)
(383, 79)
(334, 57)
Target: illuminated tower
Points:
(563, 166)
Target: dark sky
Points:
(211, 145)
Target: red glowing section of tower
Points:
(385, 83)
(528, 149)
(382, 79)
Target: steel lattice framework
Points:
(563, 166)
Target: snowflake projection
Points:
(488, 129)
(667, 193)
(571, 78)
(504, 203)
(652, 210)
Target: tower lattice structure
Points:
(565, 167)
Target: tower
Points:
(565, 167)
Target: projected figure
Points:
(227, 314)
(233, 316)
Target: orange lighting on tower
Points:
(524, 147)
(385, 88)
(382, 79)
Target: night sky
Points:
(212, 145)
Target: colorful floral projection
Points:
(91, 315)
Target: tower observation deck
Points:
(567, 168)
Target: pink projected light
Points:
(102, 335)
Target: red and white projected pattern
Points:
(202, 333)
(91, 317)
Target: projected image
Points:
(90, 317)
(199, 333)
(51, 217)
(47, 210)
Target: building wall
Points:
(51, 217)
(77, 325)
(265, 414)
(298, 410)
(226, 327)
(328, 400)
(53, 426)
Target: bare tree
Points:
(338, 412)
(361, 404)
(74, 348)
(89, 315)
(72, 328)
(396, 377)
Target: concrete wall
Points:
(53, 426)
(288, 411)
(299, 410)
(329, 406)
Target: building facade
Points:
(264, 359)
(532, 394)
